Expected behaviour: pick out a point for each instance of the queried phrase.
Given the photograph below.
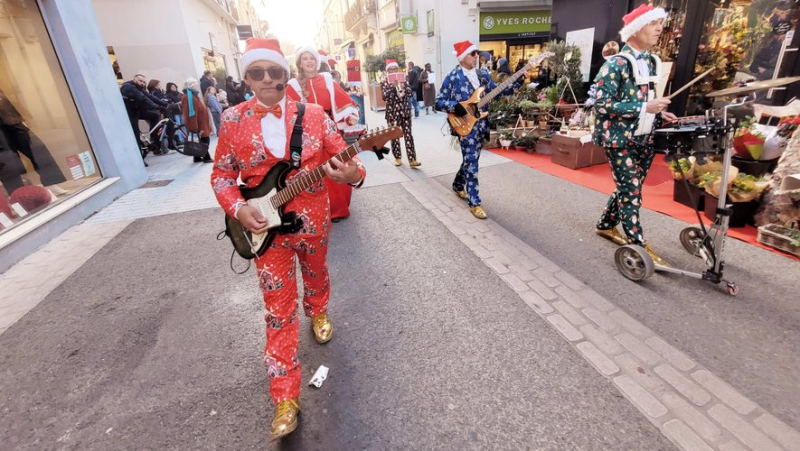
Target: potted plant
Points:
(527, 107)
(744, 191)
(527, 142)
(505, 139)
(748, 145)
(684, 183)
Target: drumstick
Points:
(683, 88)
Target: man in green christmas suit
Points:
(626, 109)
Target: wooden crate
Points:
(569, 152)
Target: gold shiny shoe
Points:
(323, 329)
(478, 212)
(462, 194)
(285, 421)
(398, 162)
(613, 234)
(414, 164)
(656, 259)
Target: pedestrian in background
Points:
(207, 80)
(232, 90)
(412, 79)
(222, 97)
(428, 79)
(213, 105)
(503, 70)
(195, 115)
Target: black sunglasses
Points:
(474, 53)
(257, 73)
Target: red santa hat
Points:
(392, 63)
(323, 56)
(638, 18)
(259, 49)
(307, 49)
(463, 49)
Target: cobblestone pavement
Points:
(690, 405)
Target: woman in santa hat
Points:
(314, 87)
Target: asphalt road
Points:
(155, 344)
(750, 341)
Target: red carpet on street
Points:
(656, 196)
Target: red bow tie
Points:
(262, 111)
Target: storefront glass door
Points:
(45, 155)
(742, 40)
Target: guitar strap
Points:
(296, 142)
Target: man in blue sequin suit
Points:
(458, 86)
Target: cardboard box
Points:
(569, 152)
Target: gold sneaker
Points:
(285, 420)
(612, 234)
(414, 164)
(656, 259)
(398, 162)
(478, 212)
(323, 329)
(462, 194)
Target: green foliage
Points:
(377, 63)
(566, 66)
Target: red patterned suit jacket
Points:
(241, 152)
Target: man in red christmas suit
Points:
(253, 137)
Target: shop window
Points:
(45, 155)
(742, 40)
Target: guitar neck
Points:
(304, 182)
(502, 86)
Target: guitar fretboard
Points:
(304, 182)
(502, 86)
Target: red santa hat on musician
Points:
(307, 49)
(392, 64)
(638, 18)
(259, 49)
(463, 49)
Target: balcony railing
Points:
(357, 12)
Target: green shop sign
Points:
(519, 23)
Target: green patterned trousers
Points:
(629, 167)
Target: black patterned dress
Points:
(398, 113)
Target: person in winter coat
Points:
(428, 88)
(503, 70)
(195, 115)
(140, 104)
(412, 79)
(213, 105)
(231, 89)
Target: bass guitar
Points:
(474, 105)
(273, 193)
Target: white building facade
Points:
(171, 40)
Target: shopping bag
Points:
(193, 147)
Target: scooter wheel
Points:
(634, 262)
(732, 289)
(692, 239)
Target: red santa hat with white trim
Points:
(638, 19)
(323, 56)
(392, 63)
(463, 49)
(260, 49)
(307, 49)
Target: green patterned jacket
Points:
(619, 102)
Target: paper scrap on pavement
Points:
(319, 376)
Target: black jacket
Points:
(413, 79)
(137, 100)
(174, 96)
(205, 82)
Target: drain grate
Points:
(156, 183)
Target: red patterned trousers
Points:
(277, 278)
